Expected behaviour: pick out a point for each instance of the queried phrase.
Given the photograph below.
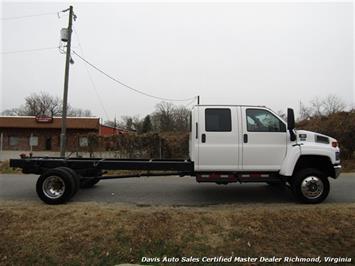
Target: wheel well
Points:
(322, 163)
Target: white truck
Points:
(228, 143)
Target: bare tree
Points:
(44, 104)
(181, 118)
(128, 122)
(333, 104)
(137, 124)
(164, 116)
(322, 107)
(14, 112)
(305, 112)
(317, 107)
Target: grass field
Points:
(109, 234)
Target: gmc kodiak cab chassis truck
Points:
(228, 143)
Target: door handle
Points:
(245, 137)
(203, 138)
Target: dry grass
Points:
(6, 169)
(108, 234)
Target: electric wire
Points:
(31, 16)
(129, 87)
(90, 78)
(191, 103)
(29, 50)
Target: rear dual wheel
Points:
(58, 185)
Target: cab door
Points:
(218, 141)
(264, 140)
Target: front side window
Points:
(218, 119)
(259, 120)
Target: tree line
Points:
(166, 117)
(39, 104)
(329, 116)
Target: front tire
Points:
(55, 186)
(310, 186)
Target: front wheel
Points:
(310, 185)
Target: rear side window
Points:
(218, 119)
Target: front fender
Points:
(289, 163)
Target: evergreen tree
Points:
(147, 124)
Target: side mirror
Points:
(291, 123)
(290, 119)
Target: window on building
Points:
(13, 141)
(33, 141)
(260, 120)
(83, 141)
(218, 119)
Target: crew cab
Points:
(254, 144)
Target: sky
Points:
(274, 54)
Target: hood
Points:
(309, 136)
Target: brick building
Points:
(27, 133)
(107, 131)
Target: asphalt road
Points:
(175, 191)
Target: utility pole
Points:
(63, 137)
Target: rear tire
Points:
(56, 186)
(74, 176)
(310, 185)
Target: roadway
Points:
(174, 191)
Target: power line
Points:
(90, 78)
(191, 102)
(29, 50)
(30, 16)
(129, 87)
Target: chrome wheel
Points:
(312, 187)
(53, 187)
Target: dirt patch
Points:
(109, 234)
